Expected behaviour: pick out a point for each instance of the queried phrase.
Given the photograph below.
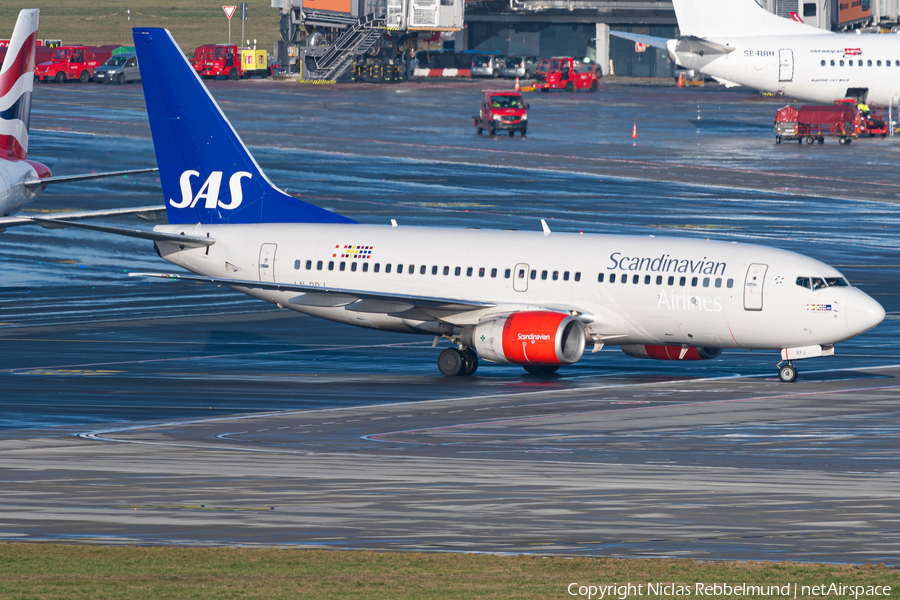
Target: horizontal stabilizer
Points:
(342, 296)
(145, 212)
(184, 240)
(694, 45)
(649, 40)
(70, 178)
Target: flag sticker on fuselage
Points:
(351, 251)
(818, 307)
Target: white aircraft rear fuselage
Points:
(815, 68)
(655, 290)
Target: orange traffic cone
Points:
(634, 131)
(517, 85)
(681, 80)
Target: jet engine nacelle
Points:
(671, 352)
(528, 338)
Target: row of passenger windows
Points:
(521, 274)
(859, 63)
(423, 269)
(682, 281)
(817, 283)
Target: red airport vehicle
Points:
(224, 60)
(502, 110)
(73, 63)
(871, 119)
(844, 120)
(569, 74)
(815, 123)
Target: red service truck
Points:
(502, 111)
(223, 60)
(73, 63)
(569, 74)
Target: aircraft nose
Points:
(863, 313)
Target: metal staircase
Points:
(356, 40)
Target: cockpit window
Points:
(818, 283)
(836, 282)
(804, 282)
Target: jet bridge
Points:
(321, 38)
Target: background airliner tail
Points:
(207, 173)
(16, 84)
(733, 18)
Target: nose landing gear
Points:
(787, 373)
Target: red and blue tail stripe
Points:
(16, 84)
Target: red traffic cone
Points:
(517, 85)
(681, 80)
(634, 131)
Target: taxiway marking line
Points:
(674, 404)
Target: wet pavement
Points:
(616, 456)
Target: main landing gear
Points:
(787, 373)
(458, 363)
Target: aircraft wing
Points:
(145, 212)
(649, 40)
(70, 178)
(360, 300)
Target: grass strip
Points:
(97, 572)
(192, 22)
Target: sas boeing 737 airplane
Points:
(23, 180)
(739, 42)
(531, 299)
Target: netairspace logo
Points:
(623, 591)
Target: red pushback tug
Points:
(569, 74)
(502, 110)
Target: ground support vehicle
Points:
(224, 60)
(502, 110)
(121, 68)
(870, 120)
(815, 123)
(376, 71)
(488, 65)
(569, 74)
(73, 63)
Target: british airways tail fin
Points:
(16, 84)
(733, 18)
(207, 173)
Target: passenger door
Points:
(785, 65)
(520, 277)
(267, 262)
(753, 286)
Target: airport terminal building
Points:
(580, 27)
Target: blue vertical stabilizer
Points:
(208, 175)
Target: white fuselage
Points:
(815, 68)
(14, 196)
(666, 290)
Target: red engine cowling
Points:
(528, 338)
(671, 352)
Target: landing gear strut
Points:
(457, 363)
(787, 373)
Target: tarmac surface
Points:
(177, 413)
